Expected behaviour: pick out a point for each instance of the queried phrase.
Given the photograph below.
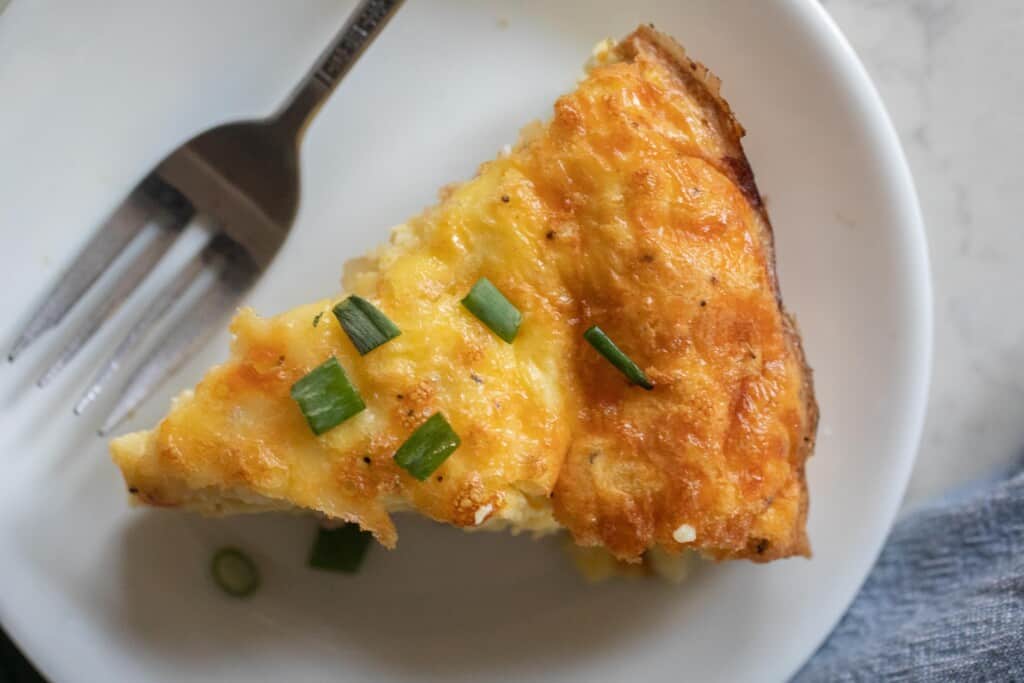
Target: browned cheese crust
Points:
(688, 286)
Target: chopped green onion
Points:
(341, 549)
(428, 447)
(364, 324)
(607, 348)
(326, 397)
(235, 573)
(493, 309)
(316, 318)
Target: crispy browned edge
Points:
(705, 87)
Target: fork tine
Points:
(126, 221)
(150, 318)
(218, 300)
(169, 228)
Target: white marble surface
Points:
(951, 73)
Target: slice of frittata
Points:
(685, 423)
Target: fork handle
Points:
(359, 31)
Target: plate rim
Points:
(884, 131)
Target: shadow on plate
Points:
(445, 605)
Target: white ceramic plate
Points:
(95, 93)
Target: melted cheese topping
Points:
(633, 209)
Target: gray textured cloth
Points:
(945, 601)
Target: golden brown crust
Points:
(635, 209)
(738, 167)
(629, 482)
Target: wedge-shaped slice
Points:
(634, 209)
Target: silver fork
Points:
(245, 178)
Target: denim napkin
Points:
(945, 601)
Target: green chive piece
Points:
(316, 318)
(235, 572)
(364, 324)
(326, 397)
(607, 348)
(428, 447)
(341, 549)
(493, 309)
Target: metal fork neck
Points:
(355, 36)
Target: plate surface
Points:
(95, 93)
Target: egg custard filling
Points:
(683, 422)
